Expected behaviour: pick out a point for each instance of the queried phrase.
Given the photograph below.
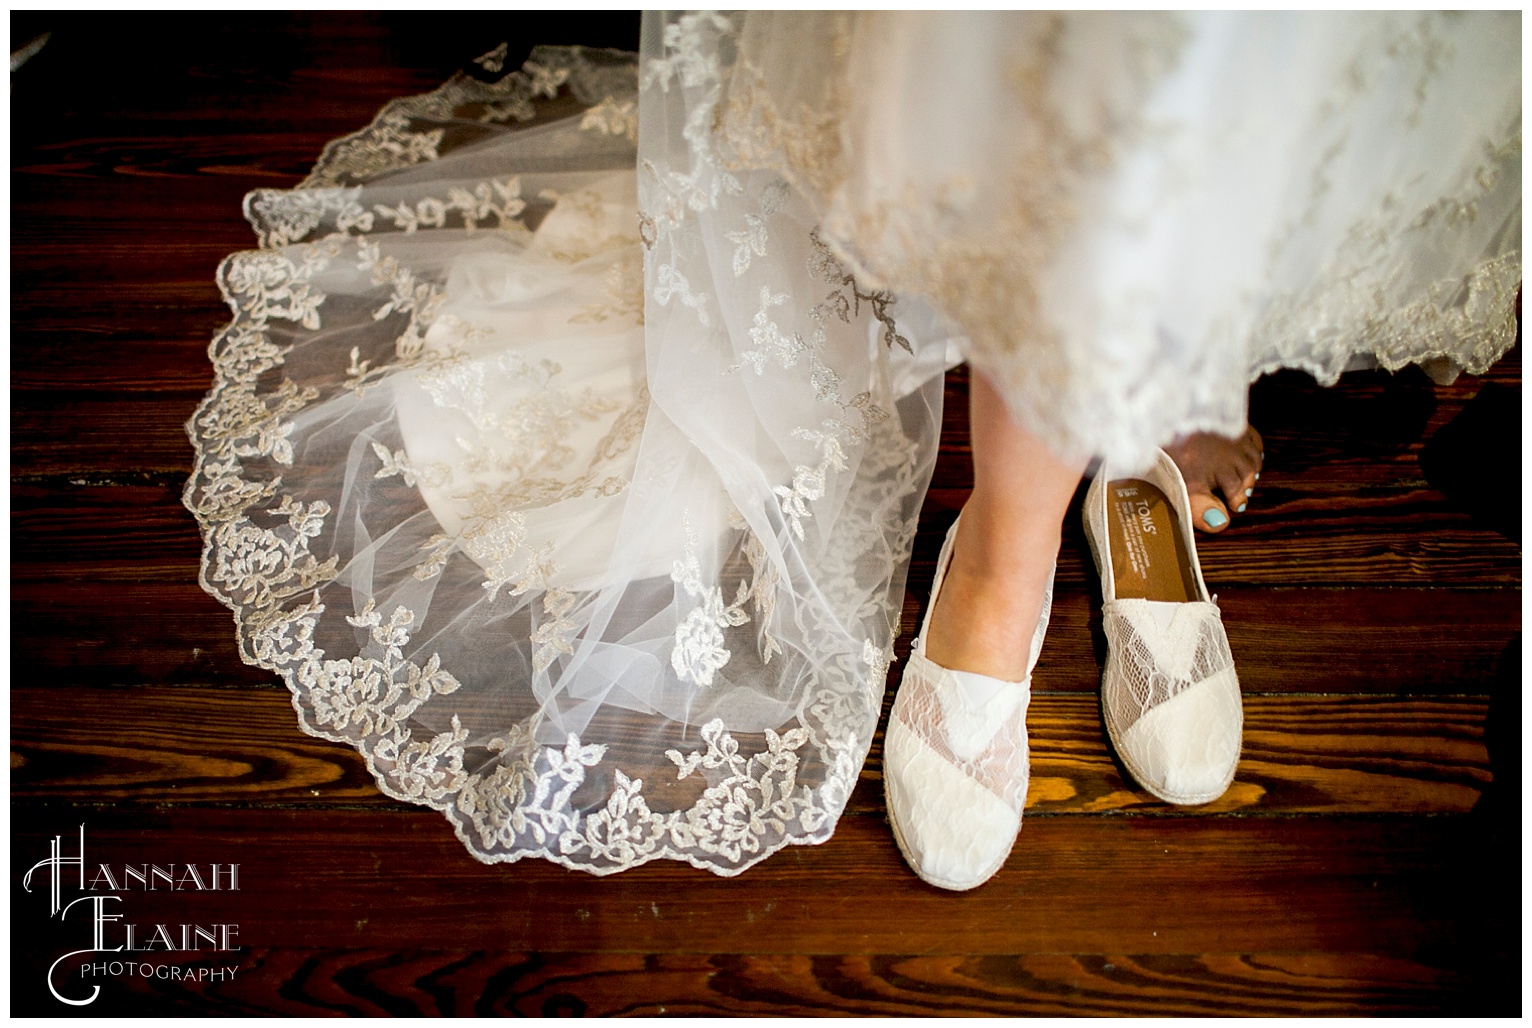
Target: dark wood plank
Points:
(127, 631)
(466, 983)
(1363, 433)
(393, 880)
(1409, 536)
(110, 355)
(137, 518)
(1310, 640)
(1298, 530)
(247, 149)
(1405, 537)
(62, 223)
(1351, 755)
(71, 434)
(121, 624)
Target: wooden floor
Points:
(1366, 859)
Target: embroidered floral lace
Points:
(1133, 214)
(565, 448)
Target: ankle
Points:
(984, 621)
(1017, 561)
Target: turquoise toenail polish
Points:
(1249, 493)
(1257, 476)
(1241, 508)
(1215, 518)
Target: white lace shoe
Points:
(1169, 694)
(955, 760)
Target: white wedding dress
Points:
(565, 450)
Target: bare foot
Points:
(1213, 465)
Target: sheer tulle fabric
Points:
(565, 450)
(601, 589)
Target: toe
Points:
(1208, 514)
(1220, 474)
(1249, 452)
(1235, 478)
(1254, 441)
(1236, 488)
(1251, 457)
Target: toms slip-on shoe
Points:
(955, 759)
(1169, 694)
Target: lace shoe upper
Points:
(956, 760)
(1169, 692)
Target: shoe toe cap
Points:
(955, 833)
(1185, 750)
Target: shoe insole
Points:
(1149, 558)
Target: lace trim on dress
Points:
(601, 80)
(1096, 163)
(338, 315)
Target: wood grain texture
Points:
(467, 983)
(1386, 532)
(1301, 755)
(1386, 537)
(399, 879)
(115, 621)
(62, 517)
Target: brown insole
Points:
(1149, 558)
